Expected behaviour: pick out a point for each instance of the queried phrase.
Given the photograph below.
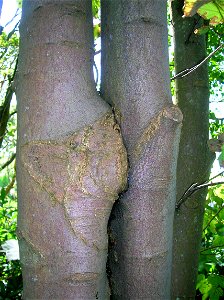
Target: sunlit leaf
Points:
(218, 241)
(200, 279)
(213, 11)
(219, 191)
(191, 6)
(204, 287)
(19, 3)
(95, 8)
(96, 31)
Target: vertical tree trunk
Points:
(194, 162)
(71, 160)
(135, 80)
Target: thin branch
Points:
(9, 161)
(10, 185)
(13, 113)
(16, 14)
(212, 247)
(97, 73)
(217, 175)
(13, 31)
(97, 52)
(208, 184)
(213, 217)
(192, 69)
(196, 186)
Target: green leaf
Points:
(207, 9)
(96, 31)
(19, 3)
(205, 296)
(213, 11)
(205, 287)
(95, 8)
(216, 280)
(219, 191)
(191, 6)
(218, 241)
(216, 293)
(221, 214)
(200, 279)
(213, 226)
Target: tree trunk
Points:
(194, 161)
(71, 160)
(135, 80)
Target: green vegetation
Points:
(10, 272)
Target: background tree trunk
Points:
(135, 80)
(71, 160)
(194, 161)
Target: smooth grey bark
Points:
(71, 162)
(194, 161)
(135, 80)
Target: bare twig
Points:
(97, 52)
(9, 161)
(217, 175)
(13, 113)
(97, 73)
(13, 31)
(196, 186)
(192, 69)
(16, 14)
(212, 247)
(10, 185)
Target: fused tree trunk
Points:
(194, 162)
(71, 160)
(135, 80)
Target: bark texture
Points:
(71, 159)
(194, 162)
(135, 80)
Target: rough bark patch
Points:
(84, 172)
(173, 113)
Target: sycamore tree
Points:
(91, 166)
(76, 148)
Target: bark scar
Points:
(84, 172)
(173, 113)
